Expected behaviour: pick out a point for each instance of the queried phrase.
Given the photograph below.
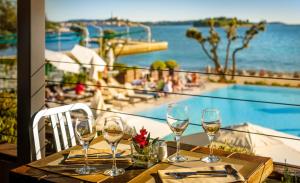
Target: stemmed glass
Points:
(113, 132)
(211, 123)
(85, 130)
(178, 120)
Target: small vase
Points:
(142, 160)
(146, 159)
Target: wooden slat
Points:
(55, 132)
(63, 130)
(71, 129)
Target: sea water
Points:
(277, 48)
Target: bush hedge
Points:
(158, 65)
(8, 117)
(171, 64)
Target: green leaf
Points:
(155, 140)
(148, 138)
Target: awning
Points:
(62, 62)
(89, 59)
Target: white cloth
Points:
(62, 62)
(90, 59)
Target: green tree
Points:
(8, 17)
(8, 26)
(210, 43)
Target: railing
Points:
(179, 93)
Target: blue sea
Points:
(278, 48)
(284, 118)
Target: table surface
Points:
(27, 173)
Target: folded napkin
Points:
(97, 156)
(199, 178)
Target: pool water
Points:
(283, 118)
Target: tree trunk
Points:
(234, 61)
(227, 56)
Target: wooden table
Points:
(27, 173)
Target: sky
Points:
(287, 11)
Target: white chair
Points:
(58, 115)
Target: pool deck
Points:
(143, 106)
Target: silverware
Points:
(229, 170)
(181, 175)
(98, 155)
(201, 172)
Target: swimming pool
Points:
(283, 118)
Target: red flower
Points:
(143, 132)
(141, 139)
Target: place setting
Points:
(107, 155)
(186, 166)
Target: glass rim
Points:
(184, 106)
(211, 110)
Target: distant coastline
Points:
(198, 22)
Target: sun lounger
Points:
(131, 93)
(119, 96)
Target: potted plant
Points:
(159, 66)
(171, 65)
(144, 154)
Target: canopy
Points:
(280, 149)
(90, 59)
(62, 62)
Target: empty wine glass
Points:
(211, 123)
(178, 120)
(85, 129)
(113, 132)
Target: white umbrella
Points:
(90, 59)
(62, 61)
(279, 149)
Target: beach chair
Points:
(131, 93)
(117, 95)
(122, 97)
(61, 121)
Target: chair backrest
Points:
(58, 115)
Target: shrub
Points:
(71, 79)
(109, 33)
(275, 84)
(8, 117)
(82, 77)
(171, 64)
(68, 79)
(158, 65)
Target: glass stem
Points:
(113, 150)
(177, 139)
(85, 148)
(210, 138)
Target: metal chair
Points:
(58, 115)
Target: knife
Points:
(199, 172)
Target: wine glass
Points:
(211, 123)
(85, 130)
(113, 132)
(178, 120)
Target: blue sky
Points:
(287, 11)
